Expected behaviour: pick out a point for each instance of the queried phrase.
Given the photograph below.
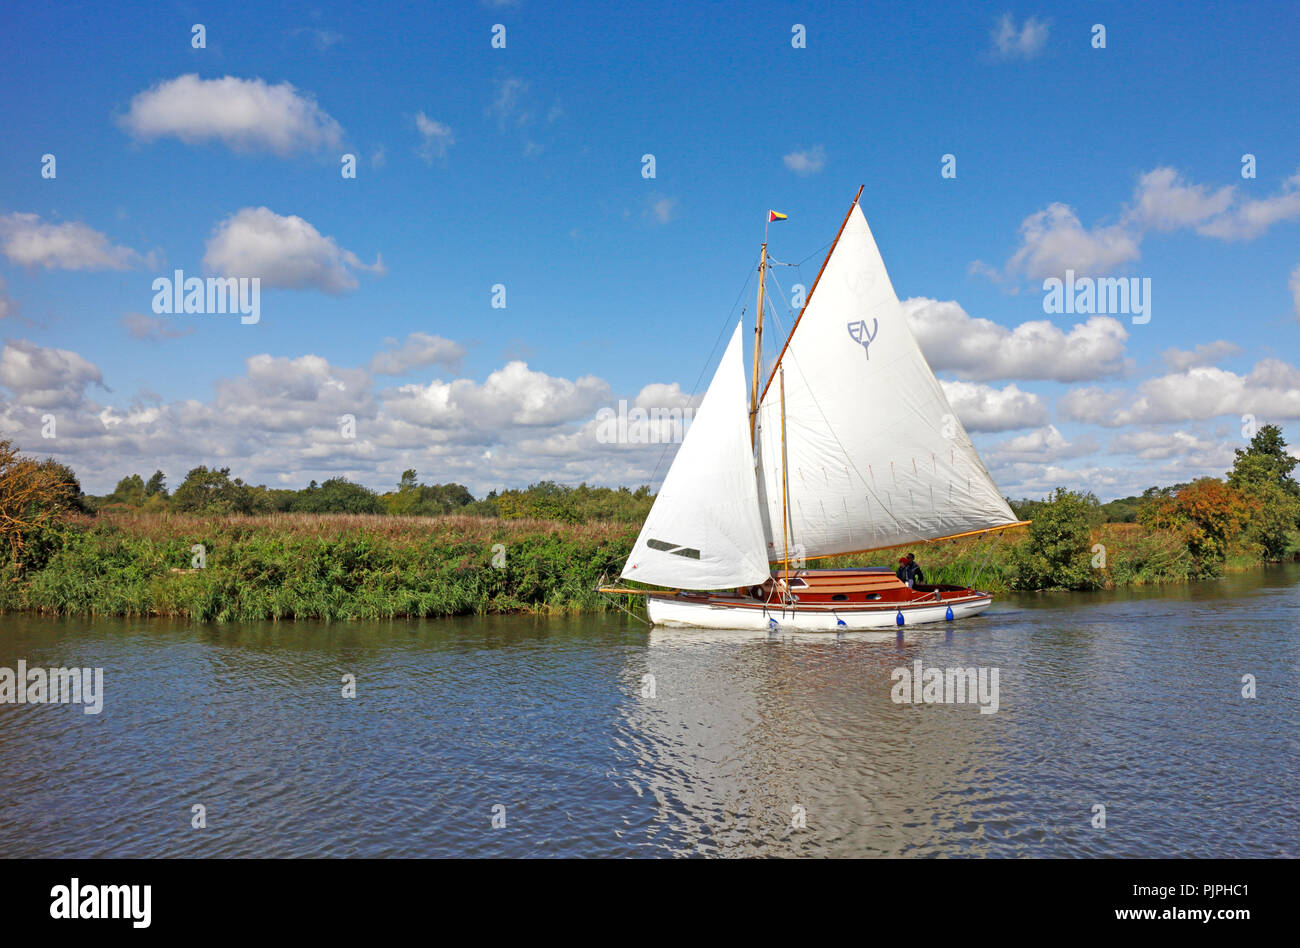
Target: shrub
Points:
(32, 495)
(1207, 513)
(337, 495)
(1057, 553)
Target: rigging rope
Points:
(815, 253)
(628, 611)
(709, 361)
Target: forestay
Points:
(875, 454)
(704, 530)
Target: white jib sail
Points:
(704, 530)
(875, 455)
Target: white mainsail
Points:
(875, 455)
(704, 530)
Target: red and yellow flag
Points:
(775, 216)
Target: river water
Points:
(747, 744)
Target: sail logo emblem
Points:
(859, 333)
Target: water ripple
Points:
(749, 745)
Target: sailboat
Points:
(849, 446)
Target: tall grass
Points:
(357, 566)
(284, 566)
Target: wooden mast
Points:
(808, 298)
(785, 482)
(758, 338)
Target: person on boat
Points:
(908, 570)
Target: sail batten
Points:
(860, 400)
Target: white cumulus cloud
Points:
(985, 408)
(512, 395)
(153, 328)
(1053, 239)
(1250, 218)
(1165, 200)
(1180, 360)
(1042, 445)
(7, 305)
(1270, 390)
(981, 349)
(40, 377)
(244, 114)
(28, 240)
(284, 251)
(1159, 445)
(419, 349)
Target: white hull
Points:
(676, 612)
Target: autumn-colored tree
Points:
(32, 494)
(1208, 513)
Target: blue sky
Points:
(522, 167)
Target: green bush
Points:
(1057, 553)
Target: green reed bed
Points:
(358, 566)
(314, 566)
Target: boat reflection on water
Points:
(745, 735)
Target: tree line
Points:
(1254, 510)
(213, 492)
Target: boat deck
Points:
(839, 589)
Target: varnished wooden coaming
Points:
(862, 590)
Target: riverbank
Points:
(286, 566)
(325, 566)
(1115, 554)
